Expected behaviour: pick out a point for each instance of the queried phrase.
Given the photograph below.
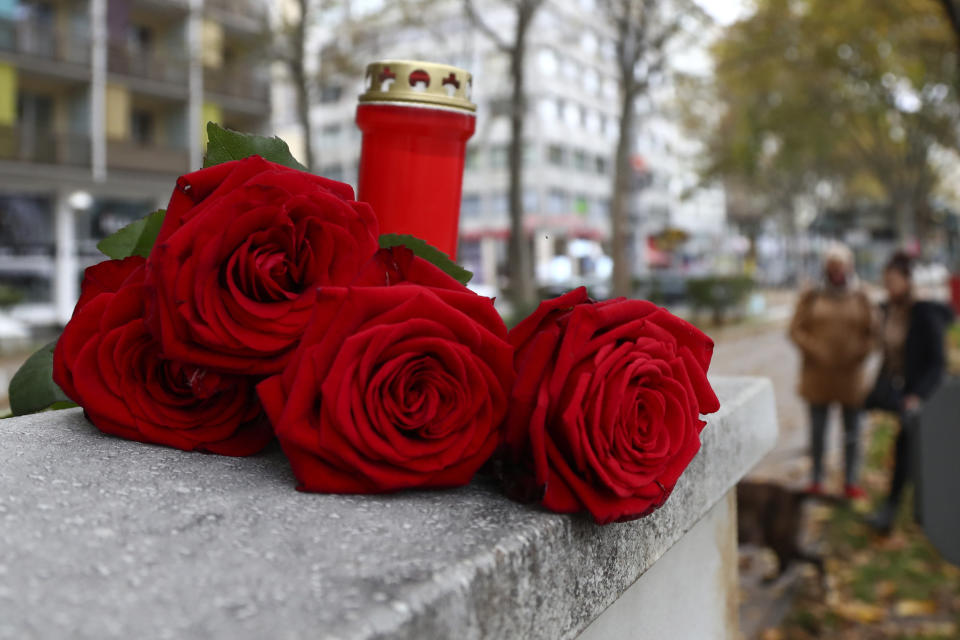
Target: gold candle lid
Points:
(417, 82)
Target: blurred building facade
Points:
(102, 105)
(571, 132)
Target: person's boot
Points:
(854, 492)
(814, 489)
(882, 519)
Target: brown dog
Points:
(769, 515)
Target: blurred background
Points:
(686, 151)
(699, 153)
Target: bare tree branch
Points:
(487, 30)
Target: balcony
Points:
(44, 147)
(45, 41)
(237, 81)
(241, 18)
(155, 65)
(133, 156)
(163, 7)
(248, 9)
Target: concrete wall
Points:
(696, 577)
(101, 537)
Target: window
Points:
(600, 164)
(498, 157)
(330, 136)
(571, 115)
(472, 160)
(470, 255)
(580, 160)
(331, 93)
(499, 204)
(557, 201)
(333, 172)
(580, 204)
(589, 43)
(591, 82)
(529, 154)
(556, 155)
(593, 121)
(613, 129)
(142, 127)
(599, 208)
(531, 201)
(607, 50)
(549, 110)
(141, 39)
(610, 88)
(610, 128)
(547, 61)
(470, 205)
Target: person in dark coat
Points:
(914, 362)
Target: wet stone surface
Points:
(104, 538)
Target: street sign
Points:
(938, 470)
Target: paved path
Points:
(766, 351)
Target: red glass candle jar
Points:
(416, 118)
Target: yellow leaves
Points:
(885, 589)
(772, 634)
(861, 558)
(896, 541)
(914, 608)
(944, 629)
(859, 611)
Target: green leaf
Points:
(429, 253)
(224, 145)
(135, 239)
(32, 387)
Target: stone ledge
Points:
(104, 538)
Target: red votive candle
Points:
(416, 118)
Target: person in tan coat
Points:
(834, 328)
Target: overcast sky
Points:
(725, 11)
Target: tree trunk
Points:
(301, 83)
(622, 270)
(523, 293)
(303, 114)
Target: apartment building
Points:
(102, 105)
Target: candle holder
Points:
(416, 118)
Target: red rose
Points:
(392, 388)
(242, 249)
(108, 362)
(605, 413)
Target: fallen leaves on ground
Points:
(914, 608)
(857, 611)
(895, 588)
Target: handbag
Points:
(886, 394)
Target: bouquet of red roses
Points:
(264, 303)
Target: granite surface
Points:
(104, 538)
